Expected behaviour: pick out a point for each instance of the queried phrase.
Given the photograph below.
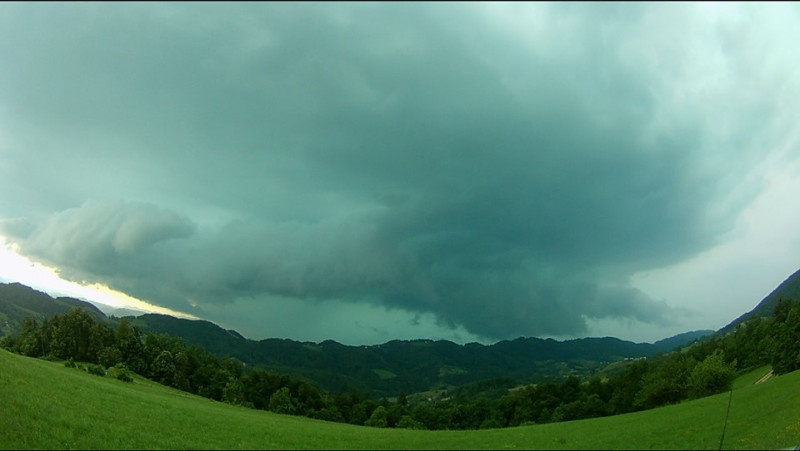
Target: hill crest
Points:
(384, 370)
(788, 289)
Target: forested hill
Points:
(409, 366)
(680, 340)
(19, 301)
(788, 289)
(412, 365)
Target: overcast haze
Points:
(370, 171)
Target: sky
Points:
(371, 171)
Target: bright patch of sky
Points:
(19, 269)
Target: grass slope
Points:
(45, 405)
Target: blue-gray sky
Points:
(371, 171)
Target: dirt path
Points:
(764, 377)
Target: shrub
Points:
(711, 376)
(282, 402)
(97, 370)
(121, 372)
(378, 418)
(408, 422)
(109, 356)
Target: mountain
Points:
(119, 312)
(788, 289)
(18, 301)
(203, 333)
(387, 369)
(680, 340)
(411, 366)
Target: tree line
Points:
(706, 367)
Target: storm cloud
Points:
(98, 235)
(504, 169)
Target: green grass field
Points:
(45, 405)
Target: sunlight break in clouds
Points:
(16, 268)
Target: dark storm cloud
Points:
(421, 157)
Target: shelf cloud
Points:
(501, 170)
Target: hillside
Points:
(788, 289)
(411, 365)
(408, 366)
(77, 410)
(680, 340)
(18, 301)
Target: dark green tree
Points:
(109, 356)
(163, 368)
(711, 376)
(70, 336)
(30, 341)
(281, 402)
(129, 342)
(378, 419)
(211, 379)
(402, 400)
(233, 393)
(408, 422)
(666, 382)
(626, 385)
(786, 331)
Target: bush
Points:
(408, 422)
(378, 418)
(282, 402)
(97, 370)
(711, 376)
(109, 356)
(121, 372)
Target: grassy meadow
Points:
(45, 405)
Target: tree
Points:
(71, 334)
(128, 341)
(259, 385)
(626, 385)
(394, 412)
(233, 393)
(329, 413)
(163, 368)
(30, 341)
(402, 400)
(434, 416)
(281, 402)
(109, 356)
(101, 337)
(378, 418)
(711, 376)
(408, 422)
(786, 327)
(307, 397)
(183, 369)
(666, 383)
(155, 343)
(210, 380)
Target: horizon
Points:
(364, 172)
(109, 311)
(143, 308)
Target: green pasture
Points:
(45, 405)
